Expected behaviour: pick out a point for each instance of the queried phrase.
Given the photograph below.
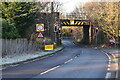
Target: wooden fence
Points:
(19, 47)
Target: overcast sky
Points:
(70, 5)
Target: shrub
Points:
(9, 30)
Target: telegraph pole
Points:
(52, 23)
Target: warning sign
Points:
(49, 47)
(39, 27)
(40, 35)
(72, 22)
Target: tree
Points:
(105, 16)
(9, 30)
(21, 13)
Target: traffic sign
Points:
(49, 47)
(39, 27)
(72, 22)
(40, 35)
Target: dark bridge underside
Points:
(84, 23)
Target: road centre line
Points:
(75, 56)
(49, 70)
(68, 61)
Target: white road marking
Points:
(108, 75)
(110, 60)
(116, 74)
(108, 69)
(108, 56)
(68, 61)
(49, 70)
(109, 65)
(75, 56)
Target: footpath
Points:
(12, 60)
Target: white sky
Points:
(69, 5)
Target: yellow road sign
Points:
(49, 47)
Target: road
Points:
(71, 62)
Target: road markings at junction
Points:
(49, 70)
(108, 69)
(108, 75)
(109, 65)
(108, 56)
(110, 60)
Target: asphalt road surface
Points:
(71, 62)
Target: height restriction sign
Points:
(72, 22)
(39, 27)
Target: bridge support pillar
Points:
(86, 34)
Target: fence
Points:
(19, 47)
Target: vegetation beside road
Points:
(21, 15)
(105, 15)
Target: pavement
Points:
(12, 60)
(71, 62)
